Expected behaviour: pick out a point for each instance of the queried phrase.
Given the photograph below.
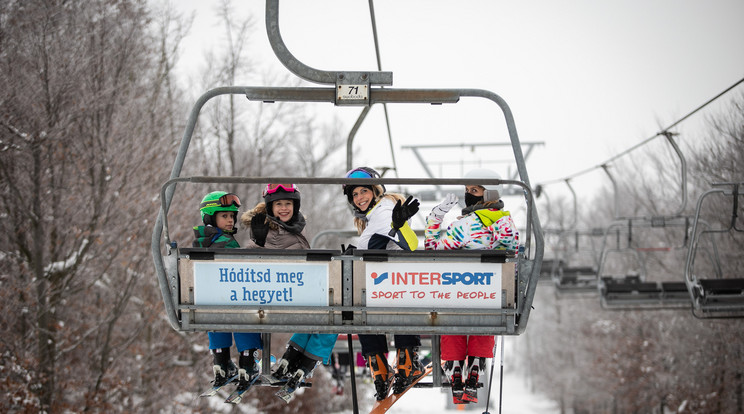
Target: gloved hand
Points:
(445, 206)
(403, 212)
(259, 229)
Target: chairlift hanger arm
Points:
(308, 73)
(682, 174)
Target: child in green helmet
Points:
(219, 211)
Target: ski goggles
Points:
(229, 199)
(226, 200)
(273, 188)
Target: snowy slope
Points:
(516, 399)
(516, 395)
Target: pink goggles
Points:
(273, 188)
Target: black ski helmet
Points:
(273, 192)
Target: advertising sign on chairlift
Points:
(260, 283)
(444, 285)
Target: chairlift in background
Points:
(573, 265)
(716, 287)
(578, 273)
(637, 289)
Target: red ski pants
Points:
(457, 347)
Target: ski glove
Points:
(445, 206)
(259, 229)
(403, 212)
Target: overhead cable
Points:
(379, 68)
(663, 132)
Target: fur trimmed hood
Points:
(281, 235)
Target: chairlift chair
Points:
(716, 294)
(636, 291)
(338, 301)
(578, 275)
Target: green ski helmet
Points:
(218, 201)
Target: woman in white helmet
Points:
(482, 225)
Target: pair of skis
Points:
(237, 395)
(285, 393)
(466, 394)
(288, 386)
(383, 405)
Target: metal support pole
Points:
(354, 402)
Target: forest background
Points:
(90, 117)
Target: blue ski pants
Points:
(315, 346)
(243, 340)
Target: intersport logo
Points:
(433, 278)
(379, 278)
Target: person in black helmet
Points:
(382, 222)
(277, 223)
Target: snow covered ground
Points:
(516, 395)
(516, 399)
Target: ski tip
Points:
(233, 400)
(284, 395)
(269, 379)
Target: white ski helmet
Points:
(486, 173)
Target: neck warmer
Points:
(482, 206)
(295, 225)
(471, 200)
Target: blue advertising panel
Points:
(260, 283)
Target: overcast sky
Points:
(588, 78)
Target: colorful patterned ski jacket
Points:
(481, 229)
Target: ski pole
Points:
(501, 377)
(490, 378)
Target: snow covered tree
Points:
(85, 123)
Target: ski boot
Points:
(409, 369)
(286, 364)
(382, 374)
(453, 371)
(223, 368)
(248, 369)
(471, 384)
(303, 371)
